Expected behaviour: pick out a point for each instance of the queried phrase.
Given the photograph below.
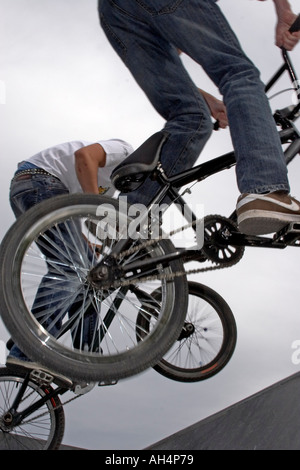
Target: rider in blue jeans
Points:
(147, 36)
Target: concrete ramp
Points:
(268, 420)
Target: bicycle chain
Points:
(165, 276)
(54, 409)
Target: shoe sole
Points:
(263, 222)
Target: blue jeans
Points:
(147, 35)
(25, 192)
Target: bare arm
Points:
(87, 161)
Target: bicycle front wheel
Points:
(41, 429)
(206, 342)
(58, 317)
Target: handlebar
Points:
(291, 112)
(295, 26)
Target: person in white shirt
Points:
(71, 167)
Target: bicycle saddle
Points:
(134, 170)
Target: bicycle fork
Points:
(12, 418)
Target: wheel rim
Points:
(38, 429)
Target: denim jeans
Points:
(25, 192)
(147, 36)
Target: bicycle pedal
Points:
(290, 234)
(106, 383)
(41, 377)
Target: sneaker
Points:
(59, 379)
(258, 214)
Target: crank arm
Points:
(239, 239)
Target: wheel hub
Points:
(187, 330)
(6, 422)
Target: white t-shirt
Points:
(60, 162)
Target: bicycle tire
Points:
(41, 430)
(20, 269)
(207, 341)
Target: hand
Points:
(286, 18)
(217, 109)
(283, 37)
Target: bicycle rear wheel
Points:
(42, 429)
(58, 318)
(206, 342)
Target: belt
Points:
(32, 171)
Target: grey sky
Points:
(63, 82)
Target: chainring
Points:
(217, 247)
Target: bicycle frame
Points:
(14, 417)
(170, 188)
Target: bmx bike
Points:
(83, 250)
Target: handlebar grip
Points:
(295, 26)
(216, 125)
